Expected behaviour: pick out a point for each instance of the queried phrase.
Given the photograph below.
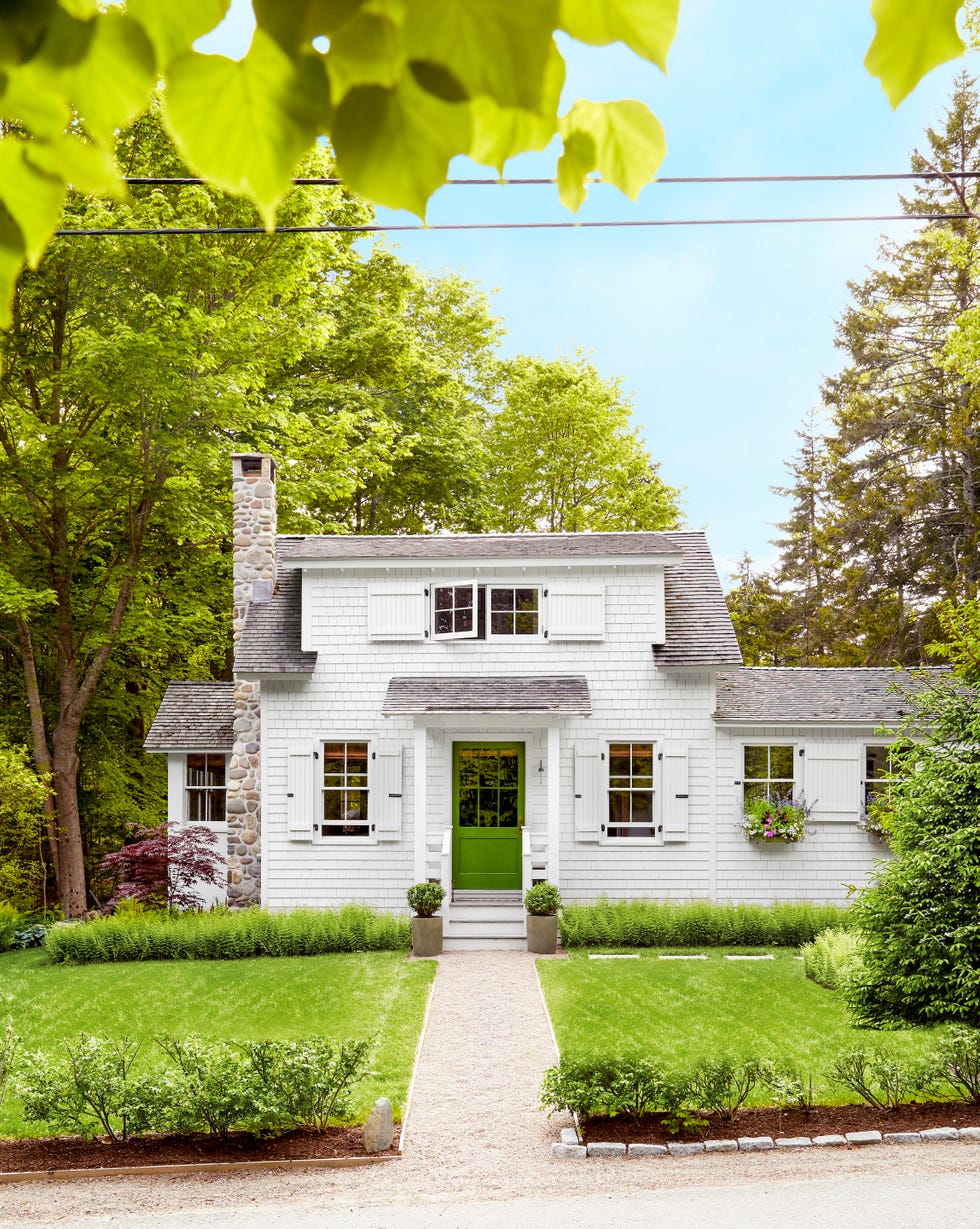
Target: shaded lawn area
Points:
(341, 996)
(681, 1011)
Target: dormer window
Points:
(486, 612)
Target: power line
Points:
(380, 227)
(334, 182)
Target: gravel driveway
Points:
(474, 1132)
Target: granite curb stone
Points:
(863, 1138)
(903, 1137)
(795, 1141)
(937, 1135)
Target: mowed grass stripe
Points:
(345, 995)
(681, 1012)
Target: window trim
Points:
(454, 635)
(793, 743)
(483, 600)
(334, 838)
(515, 636)
(215, 825)
(656, 840)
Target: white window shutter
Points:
(576, 611)
(302, 811)
(396, 612)
(832, 774)
(589, 810)
(385, 790)
(674, 786)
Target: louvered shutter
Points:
(385, 791)
(397, 612)
(674, 786)
(832, 781)
(589, 814)
(576, 611)
(302, 811)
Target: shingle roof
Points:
(194, 717)
(870, 696)
(476, 546)
(699, 627)
(487, 695)
(271, 638)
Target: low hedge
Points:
(696, 923)
(832, 958)
(226, 934)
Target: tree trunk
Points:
(71, 887)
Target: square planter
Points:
(426, 936)
(542, 934)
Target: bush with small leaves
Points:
(214, 1088)
(424, 899)
(542, 900)
(959, 1060)
(885, 1080)
(8, 1051)
(833, 958)
(722, 1085)
(307, 1083)
(595, 1086)
(10, 919)
(88, 1088)
(790, 1087)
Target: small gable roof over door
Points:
(487, 695)
(194, 717)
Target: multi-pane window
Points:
(631, 790)
(768, 771)
(489, 787)
(205, 789)
(345, 789)
(454, 612)
(513, 611)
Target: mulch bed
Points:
(821, 1120)
(75, 1152)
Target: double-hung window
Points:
(345, 789)
(768, 771)
(631, 790)
(205, 789)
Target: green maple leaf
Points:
(912, 37)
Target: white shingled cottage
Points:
(490, 710)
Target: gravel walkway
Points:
(474, 1131)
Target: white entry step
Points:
(482, 921)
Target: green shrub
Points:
(10, 918)
(226, 934)
(885, 1080)
(833, 958)
(721, 1085)
(88, 1088)
(959, 1061)
(213, 1088)
(31, 935)
(542, 900)
(696, 923)
(605, 1086)
(307, 1083)
(425, 898)
(8, 1052)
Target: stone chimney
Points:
(254, 520)
(253, 487)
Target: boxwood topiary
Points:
(543, 900)
(425, 898)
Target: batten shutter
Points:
(302, 811)
(396, 612)
(675, 786)
(588, 791)
(832, 781)
(576, 611)
(385, 791)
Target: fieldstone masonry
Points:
(254, 501)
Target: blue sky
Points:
(722, 335)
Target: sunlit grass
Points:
(378, 994)
(685, 1010)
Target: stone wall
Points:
(254, 519)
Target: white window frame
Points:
(216, 825)
(656, 838)
(454, 584)
(515, 636)
(794, 784)
(865, 779)
(331, 838)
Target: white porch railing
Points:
(526, 868)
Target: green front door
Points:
(488, 814)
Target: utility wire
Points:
(380, 227)
(333, 182)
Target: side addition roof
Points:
(699, 627)
(448, 547)
(271, 639)
(487, 695)
(194, 717)
(874, 695)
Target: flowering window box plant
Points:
(778, 818)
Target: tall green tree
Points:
(132, 368)
(565, 456)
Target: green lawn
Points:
(681, 1011)
(378, 994)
